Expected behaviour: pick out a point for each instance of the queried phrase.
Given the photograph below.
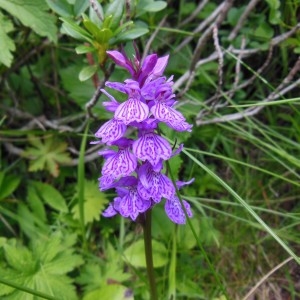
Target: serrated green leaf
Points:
(8, 184)
(130, 34)
(19, 258)
(46, 155)
(87, 72)
(61, 7)
(29, 269)
(175, 165)
(94, 203)
(51, 196)
(33, 13)
(7, 45)
(135, 254)
(63, 263)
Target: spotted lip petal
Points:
(175, 211)
(109, 211)
(165, 113)
(151, 147)
(123, 163)
(133, 204)
(106, 182)
(111, 131)
(132, 110)
(180, 125)
(153, 184)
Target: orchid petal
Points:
(132, 110)
(123, 163)
(152, 147)
(175, 211)
(111, 131)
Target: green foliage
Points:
(105, 279)
(46, 154)
(8, 184)
(43, 266)
(55, 244)
(135, 254)
(7, 45)
(31, 13)
(101, 33)
(94, 203)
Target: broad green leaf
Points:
(33, 13)
(61, 7)
(36, 203)
(150, 6)
(74, 30)
(264, 31)
(46, 154)
(81, 6)
(89, 25)
(94, 203)
(154, 6)
(185, 238)
(93, 14)
(8, 184)
(275, 14)
(51, 196)
(135, 254)
(82, 49)
(103, 35)
(111, 292)
(115, 9)
(27, 222)
(87, 72)
(7, 45)
(130, 34)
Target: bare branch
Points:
(93, 101)
(221, 60)
(194, 13)
(251, 5)
(250, 111)
(95, 8)
(240, 52)
(201, 26)
(152, 37)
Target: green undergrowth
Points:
(54, 243)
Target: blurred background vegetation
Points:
(236, 72)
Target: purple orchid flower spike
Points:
(134, 168)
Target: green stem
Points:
(148, 255)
